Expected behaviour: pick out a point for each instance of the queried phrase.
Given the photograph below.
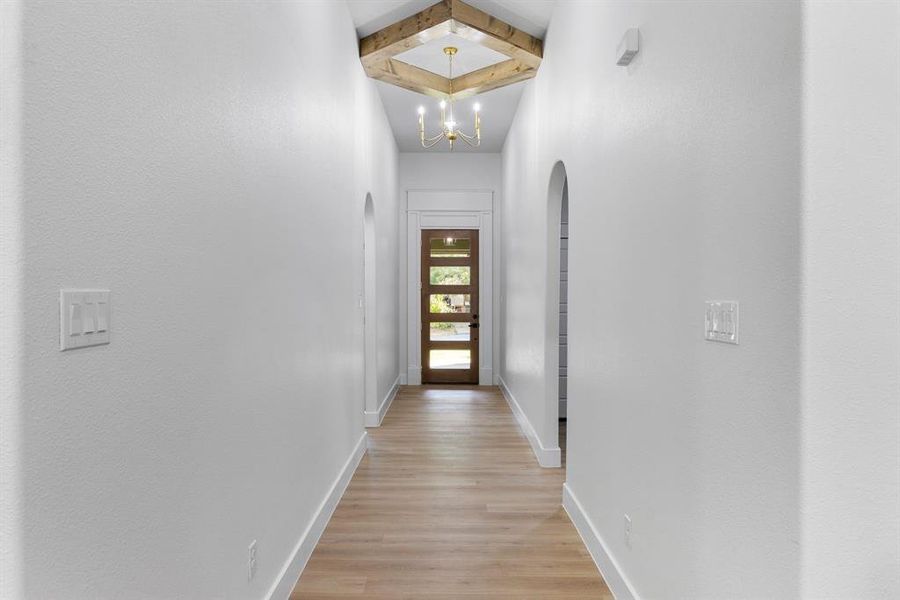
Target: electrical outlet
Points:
(628, 531)
(251, 561)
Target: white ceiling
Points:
(531, 16)
(471, 56)
(497, 110)
(497, 106)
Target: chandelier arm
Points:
(428, 143)
(469, 141)
(472, 140)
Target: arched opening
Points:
(562, 390)
(556, 329)
(370, 315)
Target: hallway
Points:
(449, 502)
(236, 239)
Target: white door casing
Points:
(457, 209)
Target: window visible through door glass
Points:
(449, 332)
(450, 359)
(450, 247)
(450, 275)
(450, 303)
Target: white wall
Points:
(684, 186)
(208, 163)
(851, 301)
(378, 170)
(11, 253)
(444, 171)
(721, 164)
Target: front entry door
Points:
(450, 306)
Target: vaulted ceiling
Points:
(498, 106)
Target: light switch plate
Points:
(722, 321)
(83, 318)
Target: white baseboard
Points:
(609, 568)
(293, 568)
(374, 419)
(546, 457)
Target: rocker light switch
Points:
(102, 316)
(88, 318)
(75, 321)
(83, 318)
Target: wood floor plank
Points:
(449, 502)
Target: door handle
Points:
(473, 325)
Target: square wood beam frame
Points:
(377, 51)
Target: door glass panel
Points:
(450, 303)
(449, 332)
(449, 359)
(450, 275)
(450, 247)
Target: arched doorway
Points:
(556, 329)
(370, 384)
(562, 390)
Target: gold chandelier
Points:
(449, 128)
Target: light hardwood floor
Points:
(448, 503)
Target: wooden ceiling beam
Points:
(410, 77)
(432, 23)
(478, 26)
(376, 51)
(490, 78)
